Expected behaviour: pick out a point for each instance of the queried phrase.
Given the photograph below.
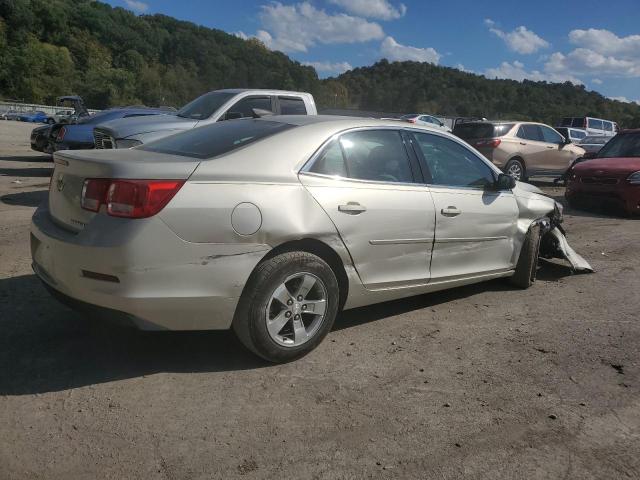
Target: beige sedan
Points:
(521, 149)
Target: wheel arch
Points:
(322, 250)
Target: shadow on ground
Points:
(25, 199)
(27, 158)
(46, 347)
(27, 172)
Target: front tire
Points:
(288, 306)
(527, 266)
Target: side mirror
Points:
(505, 182)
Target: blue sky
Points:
(595, 43)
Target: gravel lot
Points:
(479, 382)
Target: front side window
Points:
(451, 164)
(205, 105)
(292, 106)
(608, 126)
(244, 108)
(374, 155)
(551, 136)
(578, 134)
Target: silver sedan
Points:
(272, 226)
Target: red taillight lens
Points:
(490, 143)
(94, 193)
(61, 133)
(129, 198)
(412, 120)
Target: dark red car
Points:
(612, 176)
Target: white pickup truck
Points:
(211, 107)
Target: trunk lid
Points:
(72, 168)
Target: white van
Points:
(591, 125)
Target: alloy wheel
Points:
(296, 309)
(515, 170)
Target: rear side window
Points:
(471, 131)
(595, 124)
(375, 155)
(578, 122)
(216, 139)
(566, 122)
(292, 106)
(530, 132)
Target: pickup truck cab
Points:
(215, 106)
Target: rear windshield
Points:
(468, 131)
(621, 146)
(217, 139)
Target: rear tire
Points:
(276, 314)
(526, 268)
(515, 167)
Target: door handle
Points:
(450, 211)
(523, 143)
(550, 147)
(352, 208)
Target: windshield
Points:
(205, 105)
(468, 131)
(622, 146)
(217, 138)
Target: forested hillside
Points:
(423, 87)
(112, 57)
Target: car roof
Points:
(339, 121)
(261, 90)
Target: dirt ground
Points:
(484, 381)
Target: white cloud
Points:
(137, 6)
(599, 52)
(521, 40)
(596, 81)
(624, 99)
(517, 71)
(394, 51)
(295, 28)
(606, 42)
(585, 61)
(380, 9)
(329, 68)
(462, 68)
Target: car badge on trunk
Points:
(60, 182)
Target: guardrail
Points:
(27, 107)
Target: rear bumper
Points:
(146, 275)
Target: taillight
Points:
(94, 193)
(412, 120)
(61, 133)
(129, 198)
(490, 143)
